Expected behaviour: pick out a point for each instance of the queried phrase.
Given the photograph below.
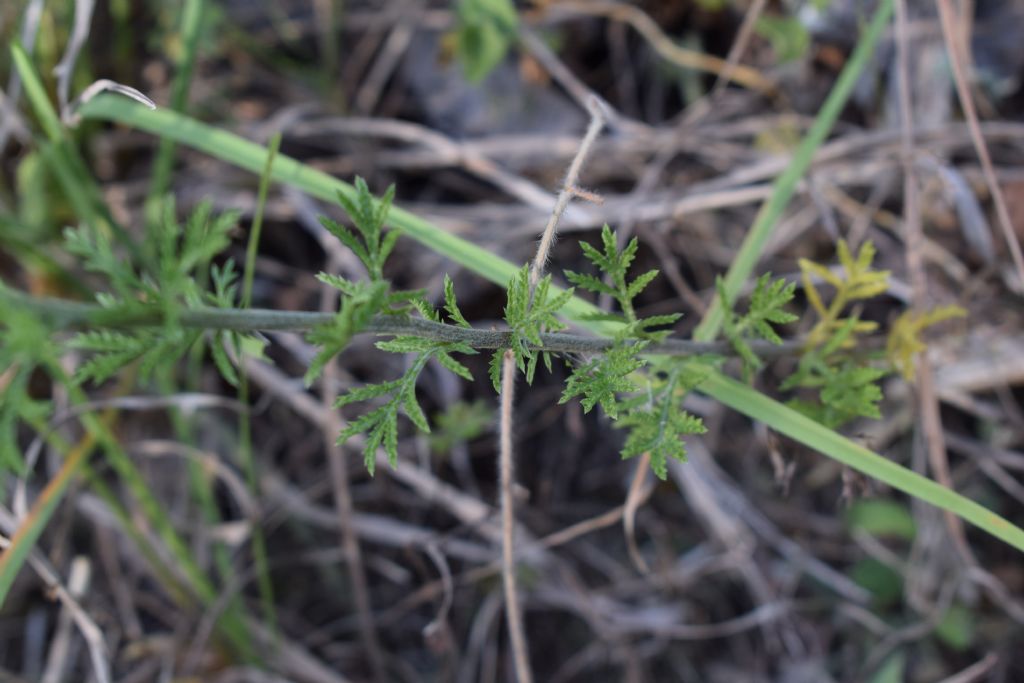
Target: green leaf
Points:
(346, 237)
(788, 36)
(450, 306)
(957, 628)
(355, 313)
(346, 286)
(413, 410)
(589, 283)
(494, 369)
(368, 216)
(765, 309)
(640, 283)
(883, 582)
(459, 423)
(657, 422)
(485, 33)
(454, 366)
(366, 392)
(600, 380)
(880, 517)
(892, 671)
(221, 360)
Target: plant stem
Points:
(245, 447)
(506, 473)
(569, 190)
(65, 313)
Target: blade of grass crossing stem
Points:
(252, 157)
(233, 149)
(191, 24)
(785, 185)
(257, 221)
(259, 543)
(740, 397)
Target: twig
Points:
(976, 671)
(344, 506)
(662, 44)
(68, 596)
(569, 189)
(928, 404)
(637, 495)
(959, 59)
(508, 565)
(508, 374)
(739, 45)
(64, 70)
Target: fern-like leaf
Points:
(368, 216)
(656, 420)
(600, 380)
(765, 309)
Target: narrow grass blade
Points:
(259, 544)
(191, 23)
(785, 185)
(756, 405)
(22, 543)
(62, 157)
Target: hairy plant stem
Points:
(64, 313)
(506, 474)
(568, 191)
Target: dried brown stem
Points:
(928, 404)
(959, 59)
(343, 505)
(513, 616)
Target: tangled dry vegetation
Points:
(756, 560)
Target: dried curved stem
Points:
(568, 191)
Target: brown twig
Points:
(928, 403)
(664, 46)
(959, 61)
(344, 507)
(513, 616)
(739, 45)
(568, 191)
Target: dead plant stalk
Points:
(513, 615)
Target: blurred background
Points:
(758, 560)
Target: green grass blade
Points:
(235, 150)
(785, 185)
(63, 158)
(756, 405)
(22, 542)
(259, 543)
(191, 23)
(36, 94)
(257, 221)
